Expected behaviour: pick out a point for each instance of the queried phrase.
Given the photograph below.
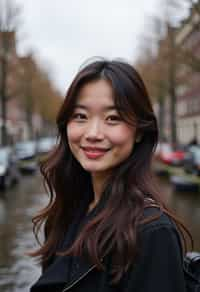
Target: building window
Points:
(182, 108)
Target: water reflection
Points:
(18, 271)
(2, 211)
(187, 207)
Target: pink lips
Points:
(93, 152)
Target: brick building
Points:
(188, 89)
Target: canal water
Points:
(17, 206)
(186, 206)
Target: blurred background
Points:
(42, 45)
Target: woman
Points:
(106, 227)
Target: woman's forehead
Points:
(97, 88)
(96, 94)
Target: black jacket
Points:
(157, 269)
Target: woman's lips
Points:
(94, 152)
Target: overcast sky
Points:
(64, 33)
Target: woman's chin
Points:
(93, 168)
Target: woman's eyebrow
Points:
(106, 108)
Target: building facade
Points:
(188, 79)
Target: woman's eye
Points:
(113, 118)
(78, 116)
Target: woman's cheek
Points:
(122, 135)
(73, 133)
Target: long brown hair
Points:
(115, 226)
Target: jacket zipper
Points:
(66, 288)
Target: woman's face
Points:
(98, 138)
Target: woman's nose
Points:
(94, 131)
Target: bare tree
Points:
(169, 55)
(195, 4)
(9, 21)
(162, 71)
(175, 54)
(38, 94)
(27, 76)
(185, 54)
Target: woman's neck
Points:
(98, 182)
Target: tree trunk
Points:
(172, 86)
(29, 120)
(4, 139)
(161, 119)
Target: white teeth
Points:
(94, 151)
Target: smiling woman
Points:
(98, 137)
(106, 227)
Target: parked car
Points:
(44, 145)
(26, 152)
(192, 160)
(167, 155)
(9, 172)
(183, 184)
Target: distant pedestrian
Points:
(106, 227)
(193, 142)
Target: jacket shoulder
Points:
(155, 218)
(159, 227)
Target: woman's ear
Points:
(138, 138)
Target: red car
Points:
(167, 155)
